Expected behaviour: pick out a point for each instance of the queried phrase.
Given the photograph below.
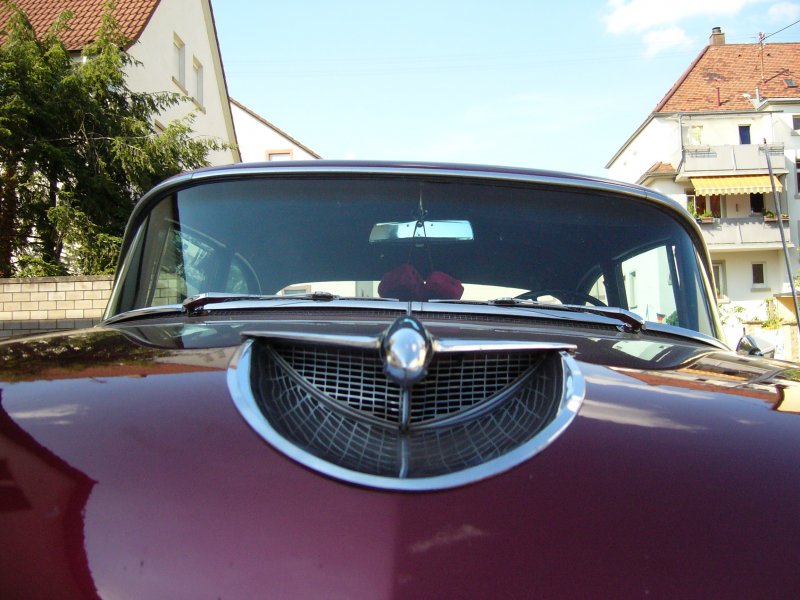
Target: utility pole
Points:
(779, 210)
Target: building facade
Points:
(707, 144)
(175, 43)
(260, 140)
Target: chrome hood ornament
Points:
(406, 351)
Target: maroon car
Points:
(375, 380)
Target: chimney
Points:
(717, 38)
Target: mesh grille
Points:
(307, 410)
(454, 382)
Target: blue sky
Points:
(555, 85)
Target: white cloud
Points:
(784, 11)
(642, 15)
(664, 39)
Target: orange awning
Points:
(737, 184)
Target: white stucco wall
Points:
(191, 22)
(658, 141)
(258, 141)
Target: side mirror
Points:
(752, 346)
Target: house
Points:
(176, 43)
(260, 140)
(706, 145)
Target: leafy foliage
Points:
(77, 146)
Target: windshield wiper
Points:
(195, 304)
(631, 322)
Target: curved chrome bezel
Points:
(573, 391)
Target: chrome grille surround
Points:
(333, 409)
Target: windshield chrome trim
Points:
(147, 311)
(691, 334)
(573, 392)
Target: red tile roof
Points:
(661, 168)
(132, 16)
(720, 76)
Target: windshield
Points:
(416, 239)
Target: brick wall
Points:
(38, 304)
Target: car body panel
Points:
(657, 488)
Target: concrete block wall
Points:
(39, 304)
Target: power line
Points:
(769, 35)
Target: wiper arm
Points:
(631, 322)
(195, 304)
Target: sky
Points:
(555, 85)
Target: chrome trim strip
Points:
(437, 170)
(468, 345)
(364, 342)
(573, 392)
(360, 342)
(148, 311)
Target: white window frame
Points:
(759, 285)
(179, 62)
(287, 152)
(197, 69)
(721, 284)
(695, 135)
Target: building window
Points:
(279, 155)
(197, 69)
(179, 61)
(696, 135)
(296, 290)
(797, 175)
(630, 289)
(757, 203)
(796, 122)
(708, 204)
(744, 134)
(759, 275)
(720, 286)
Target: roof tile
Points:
(721, 75)
(132, 16)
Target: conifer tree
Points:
(77, 147)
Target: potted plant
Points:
(706, 217)
(769, 216)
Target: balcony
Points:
(751, 233)
(740, 158)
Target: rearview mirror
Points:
(428, 231)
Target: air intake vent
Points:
(454, 382)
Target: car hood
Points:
(128, 472)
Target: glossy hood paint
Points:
(127, 472)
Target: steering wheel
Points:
(564, 296)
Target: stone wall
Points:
(39, 304)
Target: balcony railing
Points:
(750, 230)
(740, 157)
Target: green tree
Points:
(77, 147)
